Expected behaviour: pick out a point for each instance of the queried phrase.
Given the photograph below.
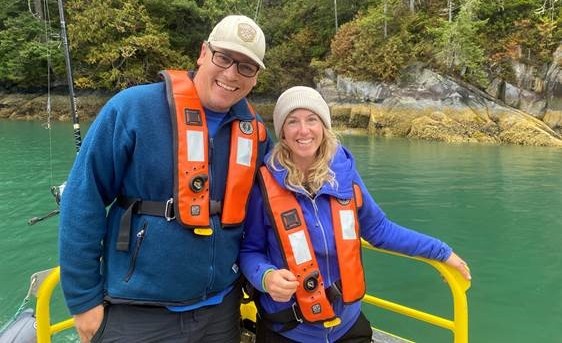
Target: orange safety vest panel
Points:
(348, 245)
(298, 252)
(191, 152)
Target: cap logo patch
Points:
(246, 32)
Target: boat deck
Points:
(380, 336)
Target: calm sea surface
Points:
(499, 207)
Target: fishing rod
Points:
(57, 191)
(70, 79)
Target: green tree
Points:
(458, 47)
(183, 21)
(376, 45)
(549, 32)
(288, 65)
(117, 44)
(298, 32)
(26, 51)
(10, 9)
(188, 22)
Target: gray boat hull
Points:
(21, 330)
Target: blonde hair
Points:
(318, 173)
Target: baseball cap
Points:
(240, 34)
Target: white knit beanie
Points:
(300, 97)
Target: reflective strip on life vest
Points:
(297, 249)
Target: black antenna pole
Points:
(70, 80)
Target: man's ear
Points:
(202, 54)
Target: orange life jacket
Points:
(192, 203)
(292, 233)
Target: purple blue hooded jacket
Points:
(261, 251)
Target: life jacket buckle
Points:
(169, 210)
(203, 231)
(331, 323)
(295, 313)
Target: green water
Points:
(498, 206)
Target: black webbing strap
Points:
(124, 235)
(139, 206)
(292, 316)
(334, 291)
(151, 208)
(289, 317)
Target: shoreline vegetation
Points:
(451, 71)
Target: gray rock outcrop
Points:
(431, 106)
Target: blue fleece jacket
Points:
(261, 251)
(128, 151)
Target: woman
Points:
(302, 248)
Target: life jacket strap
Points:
(289, 317)
(334, 291)
(163, 209)
(292, 316)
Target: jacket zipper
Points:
(140, 238)
(211, 224)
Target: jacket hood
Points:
(343, 166)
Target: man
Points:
(176, 161)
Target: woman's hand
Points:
(458, 263)
(281, 284)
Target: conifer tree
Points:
(458, 46)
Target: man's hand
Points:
(281, 284)
(87, 323)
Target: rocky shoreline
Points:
(433, 107)
(34, 106)
(429, 107)
(396, 118)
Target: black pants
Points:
(212, 324)
(360, 332)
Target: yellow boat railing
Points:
(458, 285)
(43, 309)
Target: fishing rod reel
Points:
(56, 191)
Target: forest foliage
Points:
(119, 43)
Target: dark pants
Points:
(360, 332)
(145, 324)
